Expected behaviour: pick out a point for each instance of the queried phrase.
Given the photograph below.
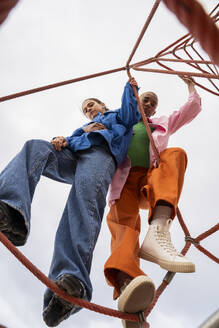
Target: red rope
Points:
(191, 14)
(92, 306)
(207, 253)
(153, 10)
(5, 8)
(207, 233)
(59, 84)
(149, 60)
(169, 276)
(185, 9)
(173, 72)
(51, 285)
(156, 153)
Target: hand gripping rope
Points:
(207, 34)
(210, 38)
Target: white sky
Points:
(47, 41)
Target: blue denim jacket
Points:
(119, 124)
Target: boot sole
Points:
(50, 314)
(130, 324)
(168, 265)
(137, 296)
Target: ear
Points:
(103, 105)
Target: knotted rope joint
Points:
(191, 240)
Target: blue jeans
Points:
(89, 172)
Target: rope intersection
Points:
(185, 44)
(203, 28)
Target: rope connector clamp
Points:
(169, 276)
(192, 240)
(142, 322)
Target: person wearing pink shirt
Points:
(139, 183)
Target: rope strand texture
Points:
(209, 36)
(5, 8)
(51, 285)
(183, 9)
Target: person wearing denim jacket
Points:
(87, 160)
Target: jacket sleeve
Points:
(76, 133)
(128, 114)
(186, 113)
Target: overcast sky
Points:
(47, 41)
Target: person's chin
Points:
(147, 114)
(94, 115)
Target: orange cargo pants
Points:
(162, 183)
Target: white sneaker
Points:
(158, 248)
(136, 297)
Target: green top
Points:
(139, 148)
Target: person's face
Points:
(149, 103)
(91, 108)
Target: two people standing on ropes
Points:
(138, 183)
(87, 160)
(99, 148)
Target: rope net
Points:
(182, 51)
(203, 29)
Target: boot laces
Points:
(164, 240)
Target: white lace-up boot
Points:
(158, 248)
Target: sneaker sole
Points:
(168, 265)
(137, 296)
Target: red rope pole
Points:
(207, 233)
(59, 84)
(153, 10)
(206, 89)
(195, 241)
(160, 53)
(154, 70)
(143, 115)
(191, 14)
(181, 60)
(182, 223)
(207, 253)
(86, 77)
(159, 291)
(210, 68)
(5, 7)
(62, 83)
(185, 48)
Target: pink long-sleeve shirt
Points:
(164, 128)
